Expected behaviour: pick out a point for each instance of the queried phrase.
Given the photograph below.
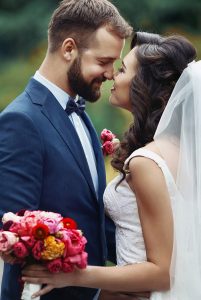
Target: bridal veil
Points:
(178, 138)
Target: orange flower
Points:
(53, 248)
(40, 231)
(69, 223)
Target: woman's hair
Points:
(79, 19)
(160, 62)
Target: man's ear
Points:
(69, 49)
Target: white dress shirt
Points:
(80, 127)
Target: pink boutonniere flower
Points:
(109, 142)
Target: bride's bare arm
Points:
(147, 180)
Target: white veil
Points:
(178, 138)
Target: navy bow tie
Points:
(77, 107)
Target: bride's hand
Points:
(40, 275)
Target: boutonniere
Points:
(109, 142)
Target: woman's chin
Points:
(112, 100)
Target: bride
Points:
(155, 201)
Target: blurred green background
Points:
(23, 28)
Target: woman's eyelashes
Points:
(121, 70)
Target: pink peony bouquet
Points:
(43, 237)
(109, 142)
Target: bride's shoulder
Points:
(144, 159)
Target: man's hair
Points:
(79, 19)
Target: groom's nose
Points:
(109, 73)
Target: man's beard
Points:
(89, 91)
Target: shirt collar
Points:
(61, 96)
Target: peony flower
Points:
(55, 266)
(29, 241)
(75, 244)
(107, 135)
(108, 148)
(28, 222)
(69, 223)
(20, 229)
(10, 217)
(67, 266)
(109, 142)
(20, 250)
(52, 224)
(82, 263)
(37, 249)
(7, 240)
(53, 248)
(40, 231)
(63, 235)
(42, 215)
(80, 260)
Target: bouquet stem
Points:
(29, 290)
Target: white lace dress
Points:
(121, 206)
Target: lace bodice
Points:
(121, 206)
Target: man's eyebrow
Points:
(107, 58)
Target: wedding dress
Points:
(121, 206)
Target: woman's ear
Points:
(69, 49)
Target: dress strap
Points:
(145, 153)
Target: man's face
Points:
(95, 64)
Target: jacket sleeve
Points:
(110, 239)
(21, 163)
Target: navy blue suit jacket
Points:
(43, 166)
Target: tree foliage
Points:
(23, 24)
(157, 15)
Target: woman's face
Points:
(120, 92)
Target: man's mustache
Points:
(99, 80)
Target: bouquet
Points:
(43, 237)
(109, 142)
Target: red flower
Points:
(79, 260)
(69, 223)
(20, 250)
(55, 265)
(108, 148)
(67, 266)
(109, 142)
(40, 231)
(37, 249)
(107, 135)
(76, 243)
(29, 241)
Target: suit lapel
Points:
(61, 122)
(98, 154)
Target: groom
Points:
(50, 156)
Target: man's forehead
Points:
(103, 38)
